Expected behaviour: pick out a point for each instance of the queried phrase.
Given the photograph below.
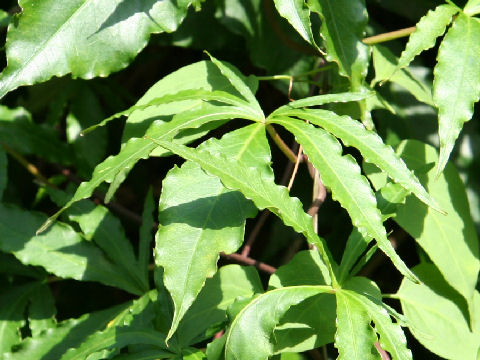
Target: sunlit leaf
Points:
(298, 15)
(456, 86)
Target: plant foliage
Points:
(92, 268)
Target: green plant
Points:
(184, 305)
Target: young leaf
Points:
(236, 79)
(435, 316)
(199, 217)
(342, 175)
(260, 189)
(249, 335)
(450, 240)
(355, 338)
(60, 251)
(456, 86)
(343, 25)
(12, 313)
(219, 292)
(428, 29)
(372, 148)
(298, 15)
(321, 100)
(85, 38)
(115, 168)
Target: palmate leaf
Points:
(456, 85)
(358, 304)
(194, 228)
(249, 335)
(372, 148)
(436, 316)
(343, 24)
(451, 240)
(115, 168)
(342, 175)
(82, 37)
(261, 190)
(428, 29)
(298, 15)
(60, 251)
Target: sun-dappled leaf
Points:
(60, 251)
(41, 311)
(146, 235)
(456, 86)
(298, 330)
(298, 15)
(219, 292)
(342, 175)
(384, 62)
(343, 25)
(193, 227)
(260, 189)
(449, 240)
(250, 334)
(13, 303)
(85, 38)
(472, 7)
(436, 317)
(428, 29)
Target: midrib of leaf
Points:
(44, 44)
(351, 322)
(247, 143)
(346, 189)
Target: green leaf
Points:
(192, 214)
(18, 131)
(115, 168)
(249, 335)
(150, 354)
(355, 338)
(472, 7)
(321, 100)
(9, 264)
(52, 344)
(298, 15)
(4, 18)
(236, 79)
(132, 326)
(260, 189)
(342, 175)
(81, 37)
(60, 251)
(98, 224)
(219, 292)
(372, 148)
(146, 235)
(385, 62)
(343, 25)
(435, 316)
(13, 302)
(200, 75)
(450, 240)
(428, 29)
(456, 86)
(42, 311)
(298, 330)
(3, 171)
(367, 296)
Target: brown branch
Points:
(245, 260)
(281, 144)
